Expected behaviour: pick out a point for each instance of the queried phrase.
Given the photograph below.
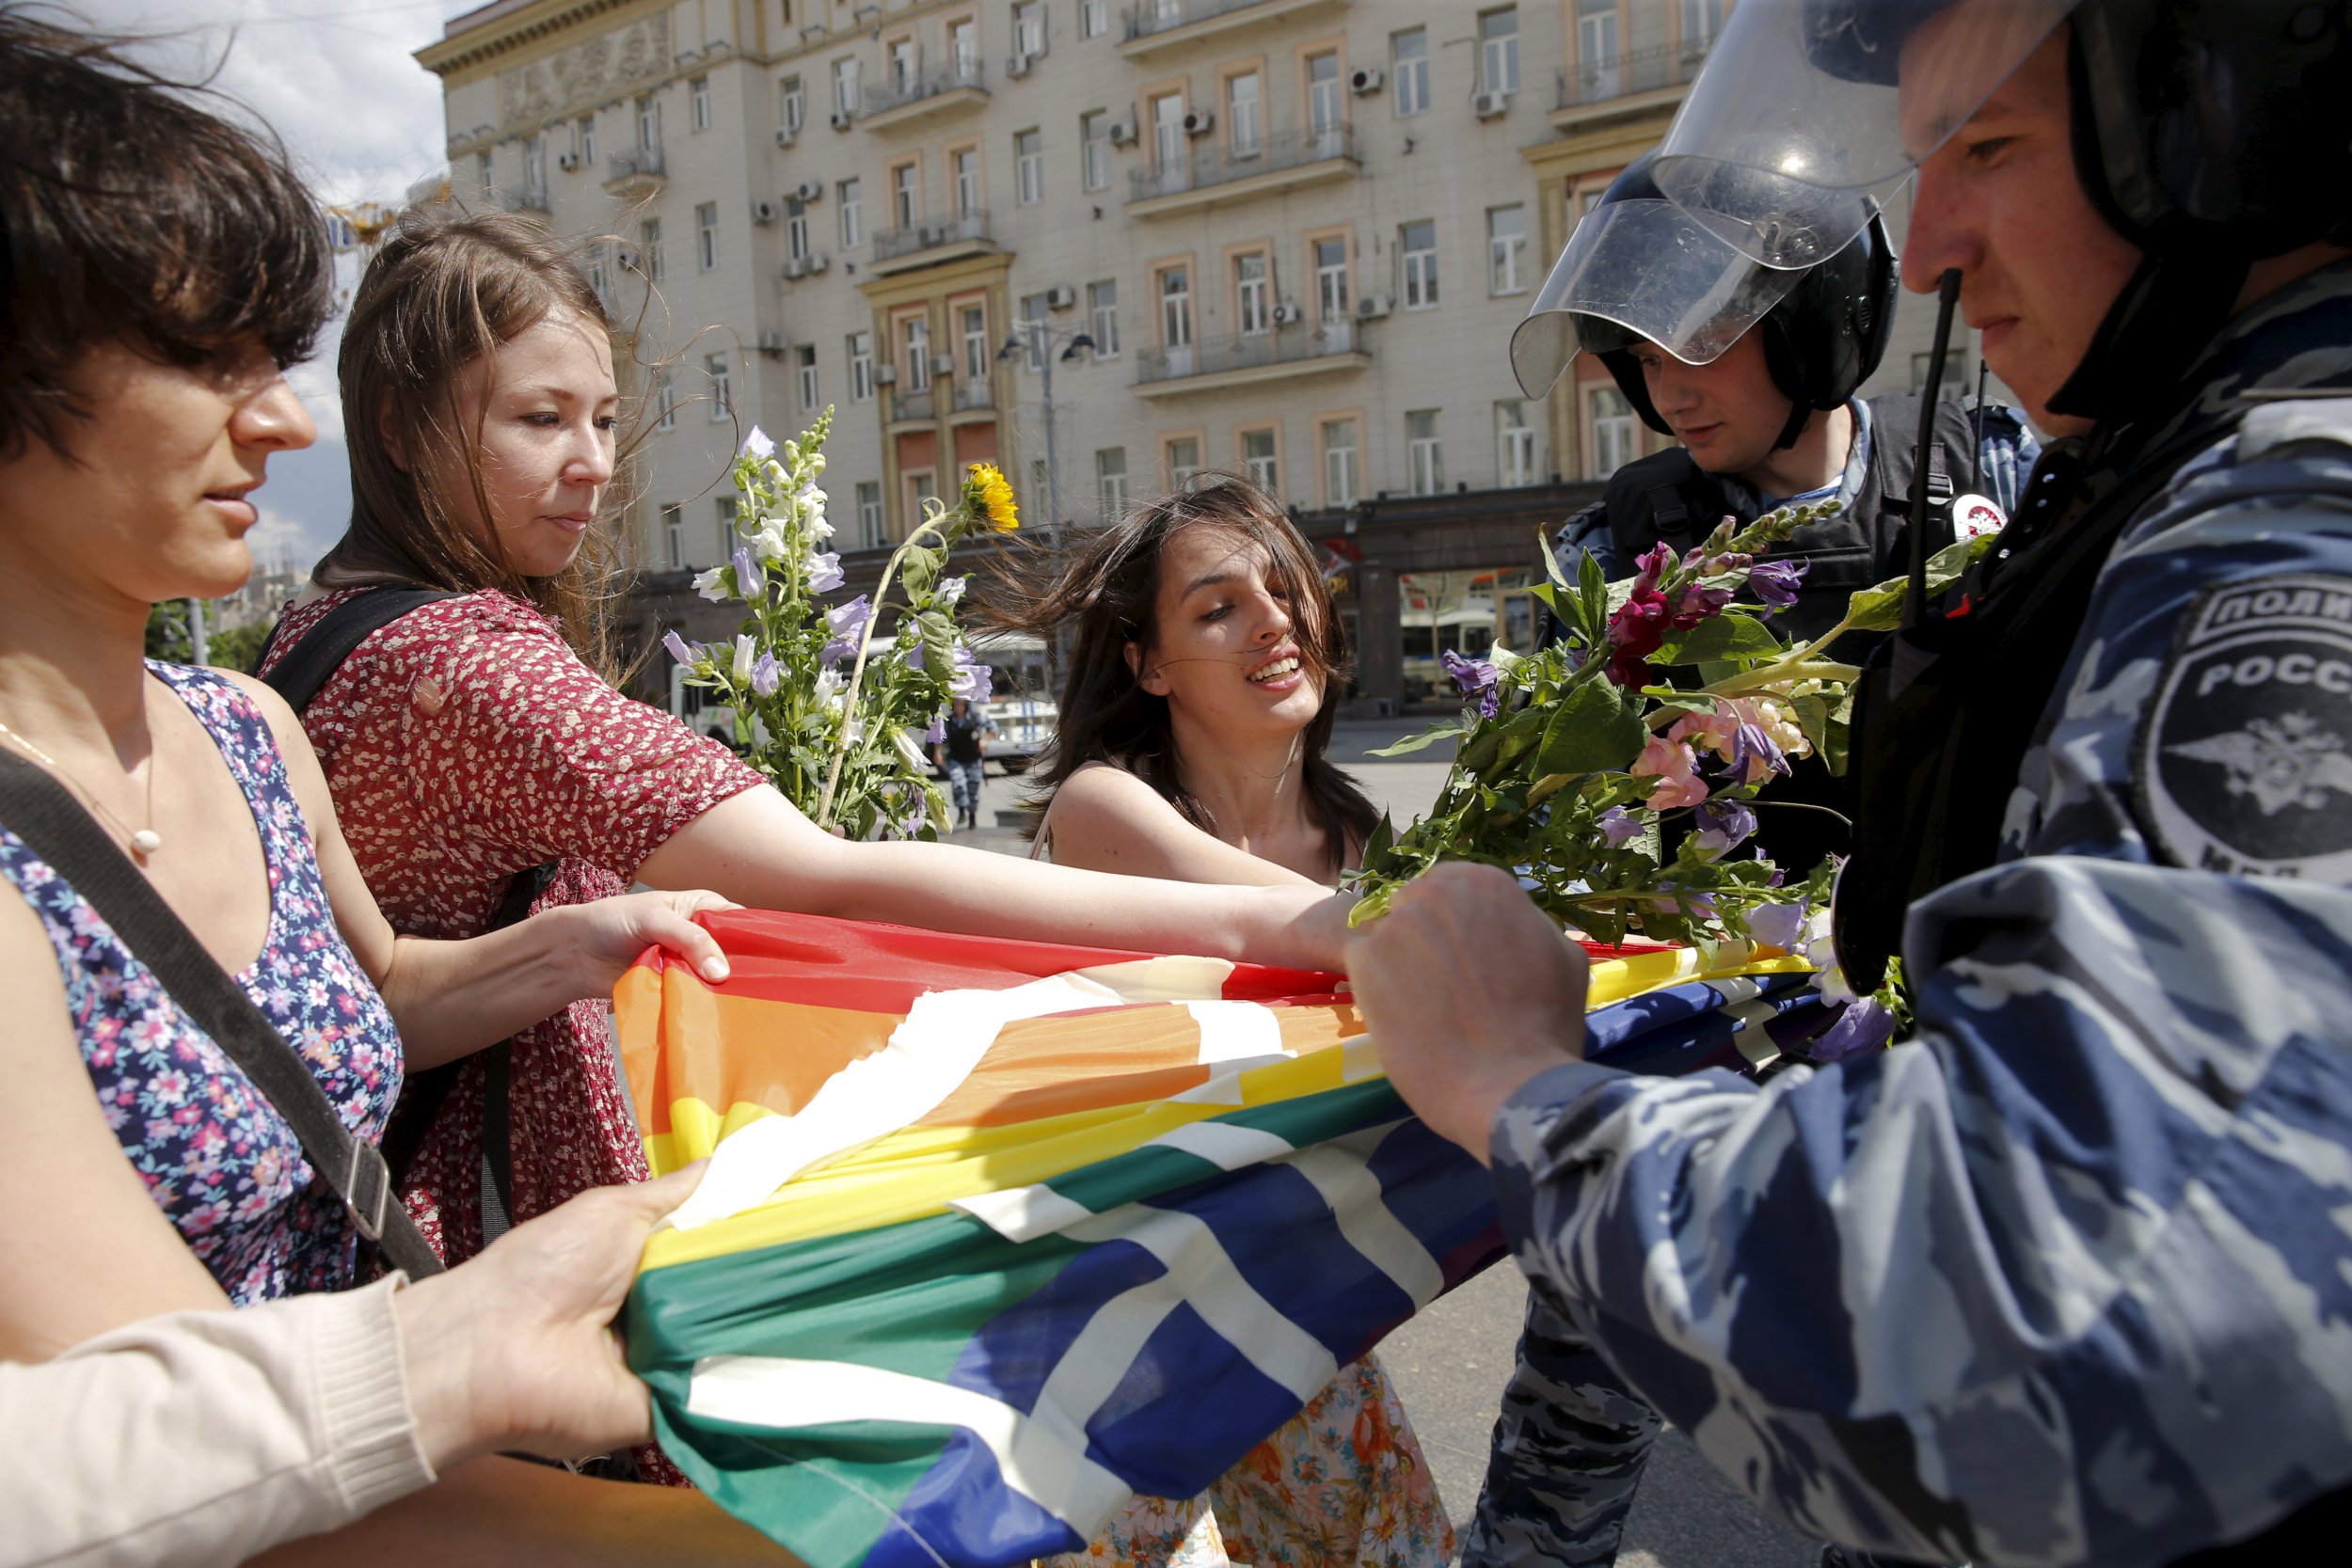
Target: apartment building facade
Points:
(1105, 245)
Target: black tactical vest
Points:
(1667, 497)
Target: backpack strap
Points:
(45, 813)
(322, 650)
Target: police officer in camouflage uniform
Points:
(2065, 1276)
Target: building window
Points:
(1183, 457)
(585, 141)
(673, 537)
(599, 276)
(649, 124)
(791, 105)
(536, 171)
(1257, 457)
(845, 87)
(964, 50)
(861, 367)
(1110, 481)
(649, 248)
(1094, 18)
(721, 393)
(921, 485)
(1323, 90)
(1331, 279)
(1498, 48)
(1029, 162)
(1167, 129)
(1409, 57)
(914, 338)
(1424, 459)
(1507, 250)
(698, 96)
(869, 514)
(1243, 100)
(902, 71)
(1598, 66)
(1515, 444)
(1028, 28)
(975, 345)
(725, 507)
(852, 196)
(1340, 485)
(482, 169)
(806, 356)
(664, 402)
(905, 194)
(1103, 307)
(1610, 419)
(1094, 143)
(1175, 307)
(1419, 243)
(796, 230)
(707, 236)
(1253, 293)
(1035, 330)
(966, 164)
(1702, 20)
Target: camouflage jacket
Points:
(2067, 1276)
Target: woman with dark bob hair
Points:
(159, 269)
(1206, 674)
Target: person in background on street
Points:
(206, 1437)
(2062, 1277)
(962, 751)
(165, 267)
(1206, 668)
(479, 735)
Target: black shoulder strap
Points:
(46, 816)
(320, 652)
(1663, 496)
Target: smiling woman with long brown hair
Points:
(1205, 675)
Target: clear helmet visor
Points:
(1810, 114)
(1647, 270)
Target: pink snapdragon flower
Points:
(1673, 764)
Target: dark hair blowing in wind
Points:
(130, 213)
(1109, 590)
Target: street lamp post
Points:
(1072, 345)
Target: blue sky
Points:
(362, 120)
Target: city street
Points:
(1450, 1363)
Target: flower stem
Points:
(857, 671)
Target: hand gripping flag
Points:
(998, 1233)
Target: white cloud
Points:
(336, 81)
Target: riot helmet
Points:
(1639, 268)
(2209, 133)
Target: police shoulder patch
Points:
(2244, 757)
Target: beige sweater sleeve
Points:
(204, 1437)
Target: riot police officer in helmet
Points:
(2061, 1277)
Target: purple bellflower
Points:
(1865, 1025)
(759, 445)
(1723, 825)
(1616, 826)
(679, 648)
(1751, 745)
(1780, 926)
(1775, 581)
(1478, 679)
(973, 678)
(843, 624)
(824, 571)
(766, 675)
(750, 581)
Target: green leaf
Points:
(1591, 729)
(1881, 609)
(1592, 592)
(1727, 636)
(1445, 730)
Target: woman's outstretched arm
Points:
(757, 848)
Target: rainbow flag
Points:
(998, 1233)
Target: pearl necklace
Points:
(143, 840)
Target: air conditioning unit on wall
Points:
(843, 119)
(763, 211)
(772, 340)
(1062, 297)
(1122, 132)
(886, 375)
(1286, 312)
(786, 136)
(810, 190)
(1200, 123)
(1017, 66)
(1489, 105)
(567, 161)
(1366, 79)
(1371, 307)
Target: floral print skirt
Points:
(1343, 1482)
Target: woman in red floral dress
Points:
(478, 736)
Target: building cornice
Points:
(519, 28)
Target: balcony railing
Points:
(930, 234)
(974, 393)
(1223, 164)
(531, 198)
(1293, 344)
(913, 405)
(1166, 16)
(951, 77)
(634, 167)
(1664, 65)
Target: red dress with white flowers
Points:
(464, 743)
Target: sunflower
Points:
(988, 494)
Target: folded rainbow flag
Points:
(998, 1233)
